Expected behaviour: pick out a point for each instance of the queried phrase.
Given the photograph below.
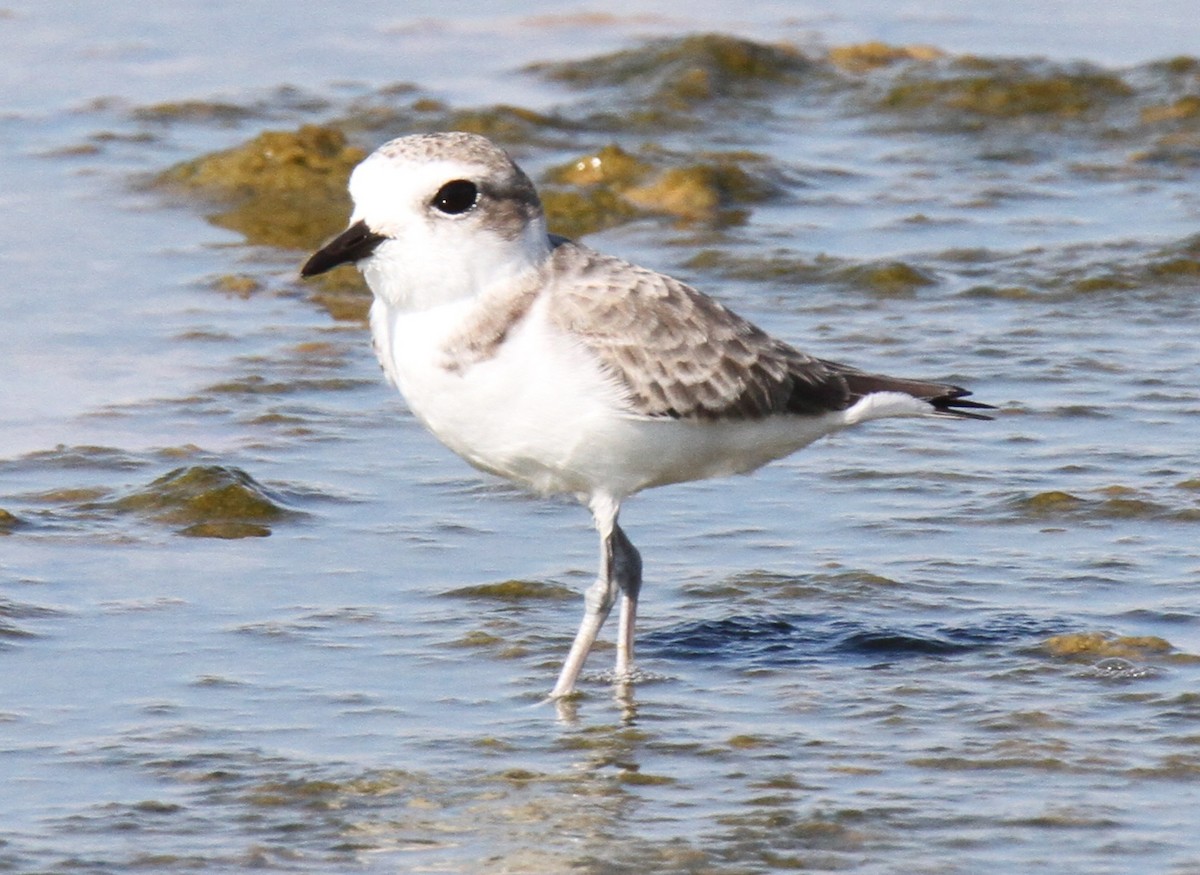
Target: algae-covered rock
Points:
(611, 165)
(211, 501)
(386, 114)
(575, 213)
(583, 195)
(8, 521)
(685, 71)
(1174, 265)
(1009, 90)
(882, 278)
(1113, 503)
(342, 293)
(863, 57)
(700, 191)
(282, 188)
(239, 285)
(196, 111)
(888, 278)
(503, 123)
(1090, 646)
(1052, 502)
(1186, 108)
(611, 187)
(1178, 148)
(514, 591)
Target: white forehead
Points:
(382, 187)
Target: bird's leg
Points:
(627, 569)
(598, 601)
(599, 598)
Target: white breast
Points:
(541, 411)
(531, 411)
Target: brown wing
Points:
(680, 353)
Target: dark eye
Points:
(456, 197)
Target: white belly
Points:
(540, 411)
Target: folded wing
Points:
(679, 353)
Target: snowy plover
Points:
(568, 371)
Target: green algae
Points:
(887, 279)
(1092, 646)
(1052, 502)
(383, 115)
(304, 792)
(610, 187)
(748, 742)
(991, 763)
(686, 70)
(1117, 507)
(196, 111)
(637, 778)
(82, 456)
(1177, 149)
(610, 165)
(513, 591)
(1183, 109)
(230, 530)
(8, 521)
(893, 278)
(1163, 269)
(706, 191)
(674, 83)
(238, 285)
(254, 384)
(504, 123)
(342, 293)
(281, 188)
(300, 200)
(868, 56)
(1174, 265)
(208, 501)
(479, 639)
(78, 495)
(1112, 503)
(284, 99)
(573, 213)
(1008, 90)
(497, 646)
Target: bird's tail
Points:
(947, 400)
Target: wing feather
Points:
(678, 352)
(681, 354)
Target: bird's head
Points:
(438, 217)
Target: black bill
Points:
(354, 244)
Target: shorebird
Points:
(543, 361)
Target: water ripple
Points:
(793, 639)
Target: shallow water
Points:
(931, 647)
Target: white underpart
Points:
(542, 412)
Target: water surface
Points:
(935, 647)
